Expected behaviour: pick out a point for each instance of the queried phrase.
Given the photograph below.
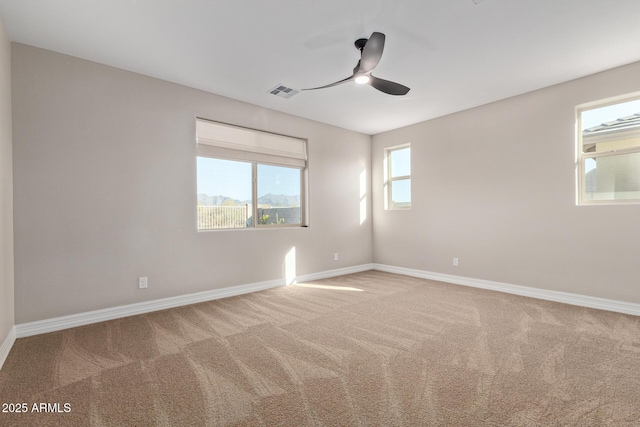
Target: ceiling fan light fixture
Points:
(362, 79)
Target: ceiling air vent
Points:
(283, 91)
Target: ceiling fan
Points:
(370, 54)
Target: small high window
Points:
(248, 178)
(397, 177)
(609, 152)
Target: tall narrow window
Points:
(609, 153)
(398, 177)
(248, 178)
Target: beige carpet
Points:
(360, 350)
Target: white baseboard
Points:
(563, 297)
(86, 318)
(89, 317)
(81, 319)
(333, 273)
(6, 345)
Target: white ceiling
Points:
(453, 54)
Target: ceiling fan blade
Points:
(391, 88)
(371, 53)
(339, 82)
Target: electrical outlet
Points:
(456, 262)
(143, 282)
(336, 257)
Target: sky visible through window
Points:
(228, 178)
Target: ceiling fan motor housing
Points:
(360, 44)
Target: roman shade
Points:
(223, 141)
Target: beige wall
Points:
(105, 191)
(104, 178)
(495, 187)
(6, 190)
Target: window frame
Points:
(303, 172)
(582, 157)
(389, 178)
(254, 198)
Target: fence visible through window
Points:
(213, 217)
(217, 217)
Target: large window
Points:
(248, 178)
(609, 152)
(397, 177)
